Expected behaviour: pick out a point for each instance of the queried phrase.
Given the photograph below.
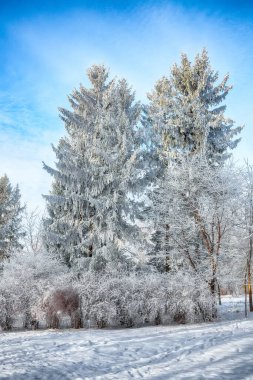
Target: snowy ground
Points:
(221, 350)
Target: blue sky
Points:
(47, 46)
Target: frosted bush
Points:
(7, 311)
(24, 280)
(126, 300)
(35, 287)
(62, 301)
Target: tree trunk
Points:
(167, 257)
(213, 293)
(245, 294)
(249, 287)
(219, 294)
(250, 237)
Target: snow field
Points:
(222, 350)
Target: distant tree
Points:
(90, 207)
(11, 210)
(33, 227)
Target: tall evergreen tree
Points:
(186, 119)
(10, 218)
(90, 210)
(186, 111)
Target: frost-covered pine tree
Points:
(187, 119)
(91, 210)
(10, 218)
(186, 111)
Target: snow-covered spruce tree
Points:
(186, 111)
(90, 211)
(10, 218)
(187, 119)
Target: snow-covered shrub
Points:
(62, 301)
(11, 298)
(136, 299)
(34, 286)
(24, 280)
(7, 310)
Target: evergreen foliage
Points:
(186, 118)
(10, 218)
(187, 114)
(90, 210)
